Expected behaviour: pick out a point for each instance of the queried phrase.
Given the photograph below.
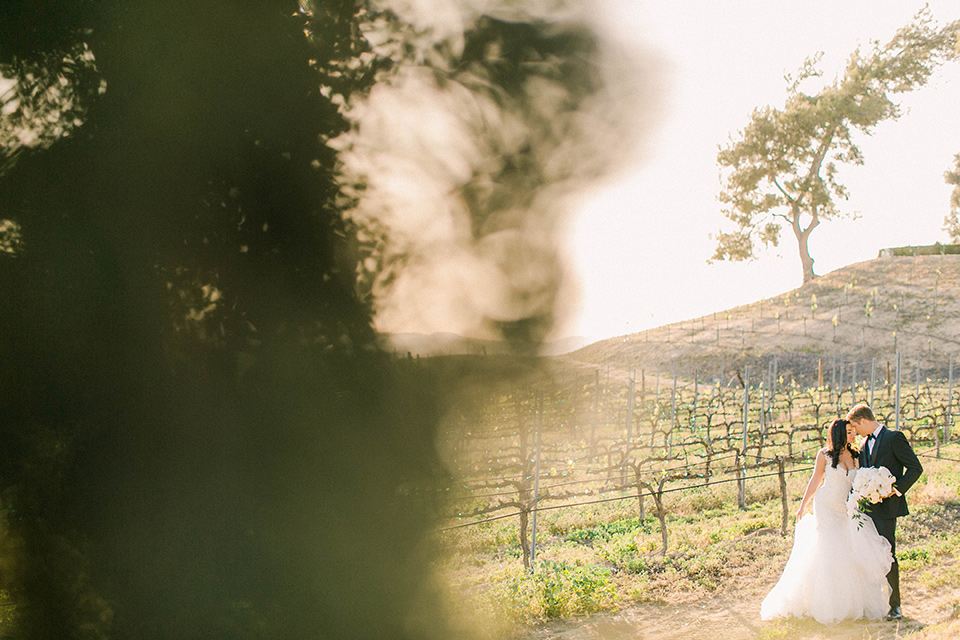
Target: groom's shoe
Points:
(894, 614)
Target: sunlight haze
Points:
(640, 244)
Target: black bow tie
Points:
(871, 437)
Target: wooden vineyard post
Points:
(771, 395)
(673, 410)
(888, 380)
(783, 496)
(897, 403)
(596, 415)
(536, 485)
(708, 453)
(853, 383)
(696, 393)
(916, 404)
(936, 434)
(763, 408)
(833, 376)
(742, 482)
(631, 385)
(746, 406)
(948, 422)
(836, 385)
(763, 402)
(523, 488)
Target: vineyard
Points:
(591, 440)
(626, 461)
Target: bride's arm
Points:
(814, 483)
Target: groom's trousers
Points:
(887, 527)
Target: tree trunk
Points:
(803, 247)
(640, 487)
(806, 262)
(804, 234)
(524, 537)
(661, 515)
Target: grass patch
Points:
(558, 590)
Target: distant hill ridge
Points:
(446, 344)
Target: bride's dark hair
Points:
(838, 441)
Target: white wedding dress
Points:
(837, 569)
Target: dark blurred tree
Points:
(782, 171)
(951, 222)
(198, 437)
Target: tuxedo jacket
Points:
(891, 450)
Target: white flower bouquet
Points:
(870, 486)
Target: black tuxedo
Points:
(891, 450)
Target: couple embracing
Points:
(843, 567)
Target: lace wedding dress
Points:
(837, 569)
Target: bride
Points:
(837, 569)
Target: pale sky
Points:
(640, 243)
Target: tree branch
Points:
(817, 163)
(786, 195)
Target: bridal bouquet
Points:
(870, 486)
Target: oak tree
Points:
(783, 170)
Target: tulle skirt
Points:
(836, 571)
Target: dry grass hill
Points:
(864, 311)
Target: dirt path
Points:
(735, 616)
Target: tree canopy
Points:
(783, 169)
(951, 222)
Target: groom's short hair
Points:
(861, 412)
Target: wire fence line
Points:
(617, 498)
(580, 482)
(627, 487)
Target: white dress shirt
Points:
(873, 441)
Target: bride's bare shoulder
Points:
(821, 459)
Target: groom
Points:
(887, 448)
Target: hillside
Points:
(863, 311)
